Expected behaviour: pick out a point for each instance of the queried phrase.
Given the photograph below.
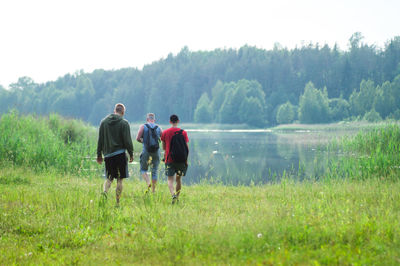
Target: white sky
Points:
(45, 39)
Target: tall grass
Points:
(374, 153)
(44, 143)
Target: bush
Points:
(313, 105)
(396, 114)
(202, 114)
(372, 116)
(285, 114)
(69, 130)
(42, 143)
(339, 109)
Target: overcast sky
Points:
(45, 39)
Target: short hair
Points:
(119, 108)
(151, 116)
(174, 118)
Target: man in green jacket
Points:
(114, 140)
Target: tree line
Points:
(310, 83)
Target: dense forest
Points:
(309, 84)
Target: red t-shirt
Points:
(166, 138)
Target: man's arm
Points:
(128, 141)
(186, 139)
(100, 145)
(160, 132)
(164, 146)
(139, 136)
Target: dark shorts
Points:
(175, 168)
(117, 166)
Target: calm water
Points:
(242, 157)
(237, 157)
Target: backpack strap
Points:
(153, 131)
(154, 128)
(148, 128)
(178, 132)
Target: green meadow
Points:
(51, 211)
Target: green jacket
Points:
(114, 135)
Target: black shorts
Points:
(175, 168)
(117, 166)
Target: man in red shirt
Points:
(172, 167)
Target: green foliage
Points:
(253, 89)
(285, 114)
(396, 114)
(101, 109)
(244, 102)
(362, 101)
(391, 56)
(395, 86)
(355, 40)
(313, 105)
(372, 116)
(202, 114)
(46, 143)
(384, 102)
(339, 109)
(251, 112)
(70, 130)
(176, 83)
(218, 96)
(229, 110)
(66, 104)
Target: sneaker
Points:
(148, 190)
(174, 199)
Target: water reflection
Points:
(260, 157)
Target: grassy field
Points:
(61, 219)
(52, 212)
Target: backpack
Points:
(151, 142)
(178, 148)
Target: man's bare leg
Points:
(146, 178)
(153, 187)
(107, 185)
(118, 190)
(171, 185)
(178, 185)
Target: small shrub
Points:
(372, 116)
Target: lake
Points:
(256, 156)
